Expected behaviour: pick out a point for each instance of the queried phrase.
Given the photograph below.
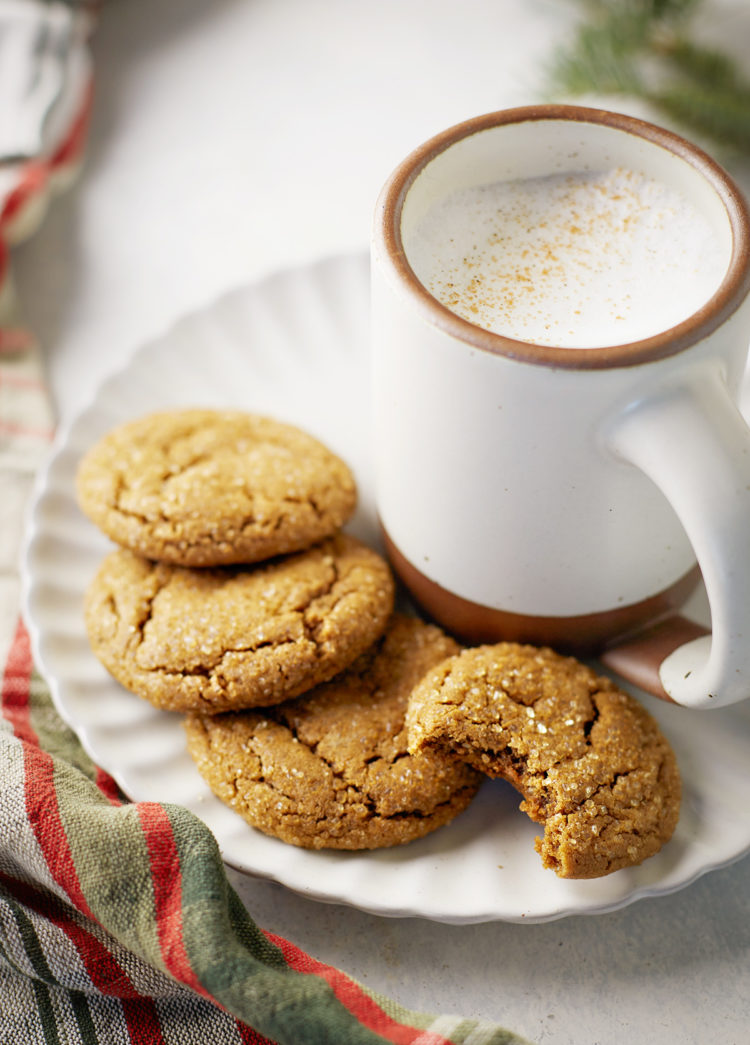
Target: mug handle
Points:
(690, 438)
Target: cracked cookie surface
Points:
(213, 487)
(220, 639)
(331, 769)
(591, 763)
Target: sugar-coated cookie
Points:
(199, 487)
(220, 639)
(592, 765)
(331, 769)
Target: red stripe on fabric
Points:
(139, 1010)
(14, 339)
(14, 695)
(32, 180)
(103, 969)
(22, 381)
(16, 429)
(42, 808)
(44, 817)
(43, 812)
(166, 880)
(33, 177)
(248, 1036)
(360, 1004)
(166, 876)
(106, 975)
(142, 1018)
(14, 702)
(108, 787)
(72, 146)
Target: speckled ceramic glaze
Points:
(564, 495)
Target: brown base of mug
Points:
(632, 640)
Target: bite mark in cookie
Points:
(591, 763)
(219, 639)
(213, 487)
(331, 769)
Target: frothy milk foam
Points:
(577, 260)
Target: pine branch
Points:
(600, 62)
(652, 10)
(724, 117)
(644, 48)
(703, 65)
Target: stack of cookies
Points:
(311, 708)
(235, 598)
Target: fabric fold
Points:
(121, 912)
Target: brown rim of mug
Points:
(730, 294)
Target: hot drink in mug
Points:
(578, 260)
(560, 327)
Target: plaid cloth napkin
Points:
(117, 922)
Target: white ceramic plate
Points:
(295, 346)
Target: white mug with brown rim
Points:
(553, 492)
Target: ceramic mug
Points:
(566, 496)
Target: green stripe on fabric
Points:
(84, 1020)
(19, 1012)
(237, 964)
(471, 1032)
(54, 736)
(457, 1029)
(400, 1014)
(210, 905)
(33, 951)
(110, 858)
(35, 954)
(226, 950)
(30, 941)
(46, 1012)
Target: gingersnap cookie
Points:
(331, 769)
(213, 487)
(219, 639)
(591, 763)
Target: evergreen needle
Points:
(644, 48)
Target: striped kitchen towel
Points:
(117, 921)
(118, 924)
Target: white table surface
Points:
(237, 137)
